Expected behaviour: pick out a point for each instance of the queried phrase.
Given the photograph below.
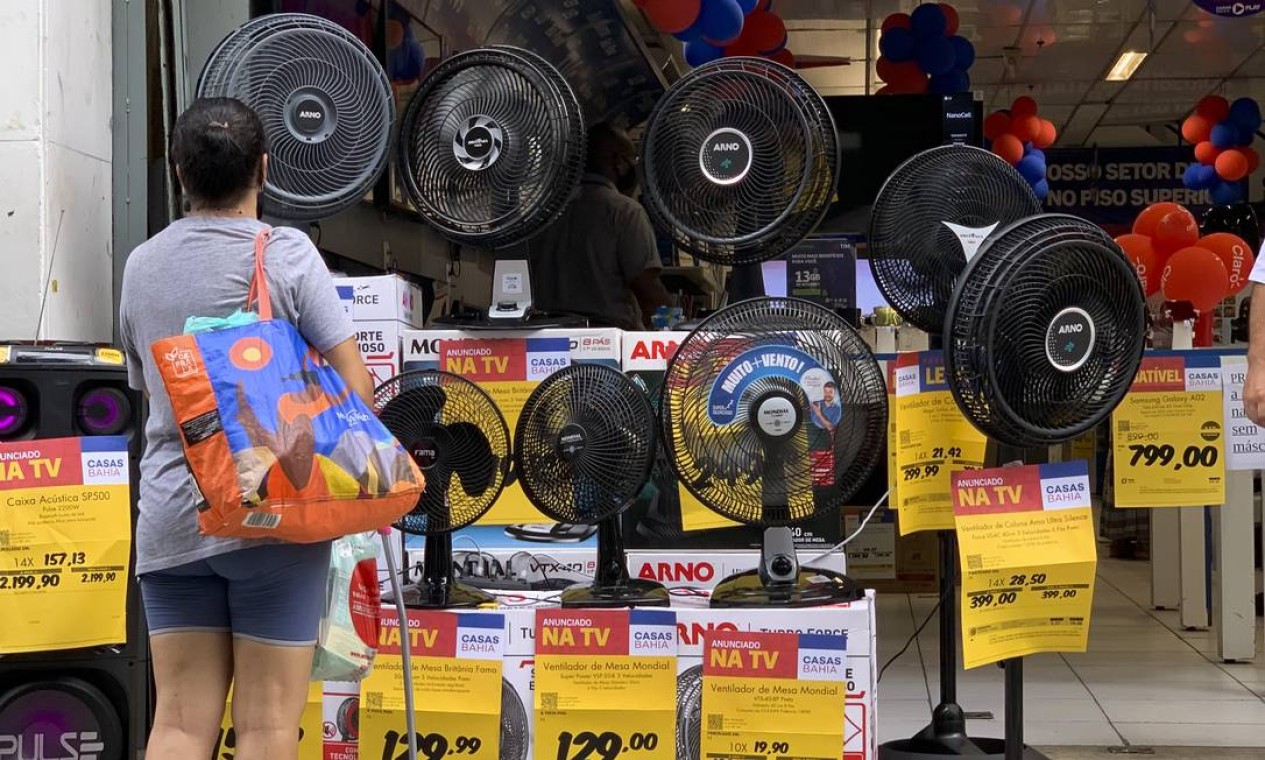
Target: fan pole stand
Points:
(438, 587)
(612, 586)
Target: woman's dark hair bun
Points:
(218, 145)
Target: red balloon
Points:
(1023, 106)
(1150, 217)
(1235, 254)
(764, 30)
(1232, 165)
(1026, 128)
(1176, 230)
(1196, 128)
(741, 48)
(897, 72)
(950, 18)
(1197, 276)
(1048, 135)
(672, 16)
(1009, 148)
(787, 59)
(1206, 153)
(996, 125)
(1145, 260)
(897, 21)
(1253, 158)
(1214, 108)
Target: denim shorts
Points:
(273, 594)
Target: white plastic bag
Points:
(350, 626)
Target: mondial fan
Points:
(326, 106)
(775, 411)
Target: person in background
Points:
(599, 258)
(223, 611)
(1254, 383)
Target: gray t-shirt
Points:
(585, 261)
(201, 267)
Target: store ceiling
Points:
(1058, 51)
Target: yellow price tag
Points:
(310, 741)
(933, 441)
(1028, 560)
(1168, 436)
(773, 695)
(110, 356)
(456, 660)
(605, 685)
(65, 542)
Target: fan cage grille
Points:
(915, 257)
(729, 468)
(995, 357)
(540, 159)
(795, 161)
(271, 62)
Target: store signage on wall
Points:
(1028, 560)
(1111, 186)
(1244, 440)
(1230, 10)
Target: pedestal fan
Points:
(774, 411)
(583, 448)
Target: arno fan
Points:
(459, 439)
(584, 446)
(739, 161)
(326, 106)
(774, 411)
(491, 147)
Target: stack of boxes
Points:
(382, 308)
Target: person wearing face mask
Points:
(599, 258)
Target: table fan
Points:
(460, 441)
(583, 448)
(327, 108)
(774, 411)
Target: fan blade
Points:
(472, 457)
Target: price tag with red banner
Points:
(773, 695)
(456, 658)
(1028, 560)
(1169, 433)
(605, 684)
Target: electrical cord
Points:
(826, 554)
(914, 637)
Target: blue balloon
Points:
(692, 33)
(1247, 134)
(700, 52)
(953, 81)
(748, 5)
(721, 20)
(897, 45)
(1225, 193)
(1037, 152)
(1225, 135)
(1206, 176)
(935, 55)
(1032, 169)
(928, 20)
(1028, 148)
(1042, 189)
(963, 52)
(1245, 113)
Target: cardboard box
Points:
(379, 343)
(508, 365)
(666, 516)
(890, 563)
(341, 714)
(384, 298)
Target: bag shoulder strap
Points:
(259, 293)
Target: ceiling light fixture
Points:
(1126, 65)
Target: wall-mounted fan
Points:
(460, 440)
(583, 448)
(326, 105)
(491, 147)
(739, 161)
(774, 411)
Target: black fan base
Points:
(635, 592)
(813, 587)
(445, 596)
(919, 748)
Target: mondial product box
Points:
(666, 517)
(855, 622)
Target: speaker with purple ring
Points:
(93, 702)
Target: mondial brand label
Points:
(758, 363)
(971, 238)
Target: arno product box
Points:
(509, 365)
(666, 516)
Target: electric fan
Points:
(1045, 331)
(739, 161)
(326, 106)
(929, 220)
(583, 448)
(775, 411)
(515, 727)
(491, 147)
(460, 441)
(689, 713)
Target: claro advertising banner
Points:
(1111, 186)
